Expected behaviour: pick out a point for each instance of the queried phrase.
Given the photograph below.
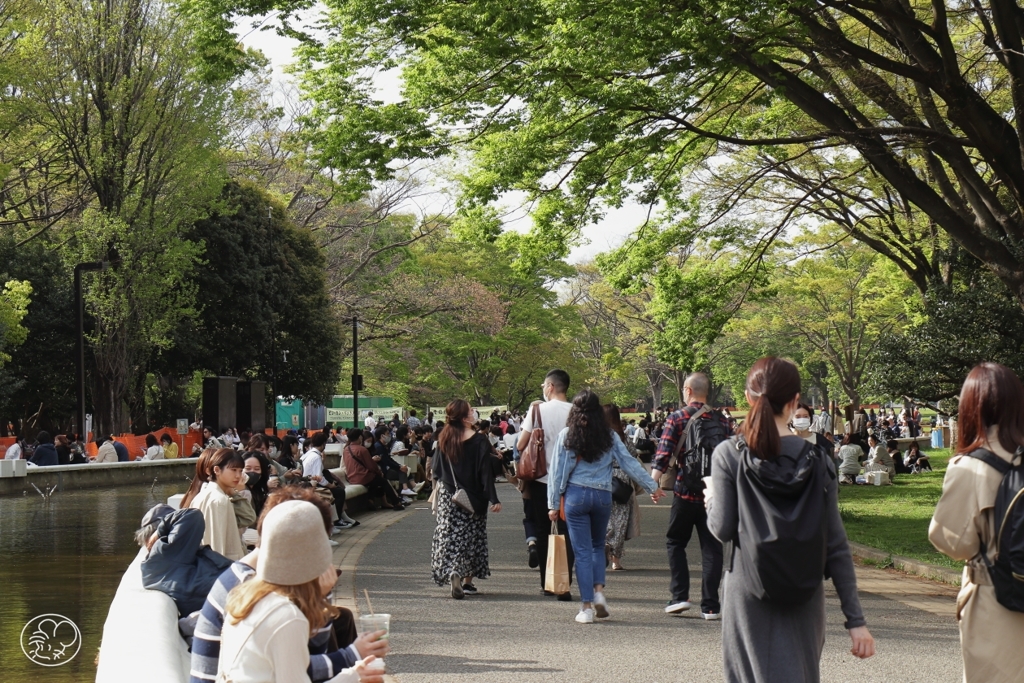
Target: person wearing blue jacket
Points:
(581, 470)
(179, 564)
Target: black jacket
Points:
(179, 564)
(45, 455)
(473, 472)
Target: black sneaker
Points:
(565, 597)
(469, 589)
(534, 556)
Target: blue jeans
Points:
(586, 514)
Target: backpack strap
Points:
(990, 459)
(681, 441)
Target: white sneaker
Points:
(711, 616)
(408, 492)
(334, 544)
(586, 616)
(674, 607)
(600, 606)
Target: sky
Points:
(605, 235)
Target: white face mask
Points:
(802, 423)
(367, 443)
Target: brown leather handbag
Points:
(533, 464)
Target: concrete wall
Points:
(109, 475)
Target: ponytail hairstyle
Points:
(772, 383)
(450, 440)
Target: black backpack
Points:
(783, 530)
(1007, 571)
(700, 438)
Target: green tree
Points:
(262, 297)
(14, 300)
(36, 385)
(136, 127)
(581, 106)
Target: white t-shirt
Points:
(13, 452)
(553, 416)
(512, 438)
(312, 464)
(370, 422)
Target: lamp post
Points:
(357, 379)
(80, 355)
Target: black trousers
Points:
(683, 519)
(379, 487)
(542, 525)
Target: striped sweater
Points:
(323, 665)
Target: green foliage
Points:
(961, 325)
(14, 300)
(261, 288)
(37, 379)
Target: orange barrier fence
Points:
(136, 445)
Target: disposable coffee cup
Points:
(370, 623)
(707, 485)
(376, 665)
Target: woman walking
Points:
(581, 469)
(624, 522)
(769, 636)
(462, 464)
(964, 525)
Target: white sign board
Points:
(344, 415)
(182, 425)
(483, 411)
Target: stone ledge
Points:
(906, 564)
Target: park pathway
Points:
(510, 632)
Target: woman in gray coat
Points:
(764, 640)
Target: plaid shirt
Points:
(675, 428)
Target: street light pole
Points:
(80, 355)
(355, 372)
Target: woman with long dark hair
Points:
(581, 470)
(991, 432)
(462, 464)
(257, 478)
(767, 634)
(624, 523)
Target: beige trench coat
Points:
(990, 634)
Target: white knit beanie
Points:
(293, 547)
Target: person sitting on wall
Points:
(45, 454)
(178, 563)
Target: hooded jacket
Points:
(179, 564)
(45, 455)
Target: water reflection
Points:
(65, 557)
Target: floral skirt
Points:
(460, 542)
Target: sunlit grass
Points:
(895, 518)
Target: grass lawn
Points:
(895, 518)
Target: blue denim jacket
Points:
(565, 470)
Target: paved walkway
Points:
(510, 632)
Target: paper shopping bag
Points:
(556, 572)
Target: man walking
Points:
(688, 511)
(554, 412)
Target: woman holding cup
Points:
(269, 619)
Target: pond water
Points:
(66, 556)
